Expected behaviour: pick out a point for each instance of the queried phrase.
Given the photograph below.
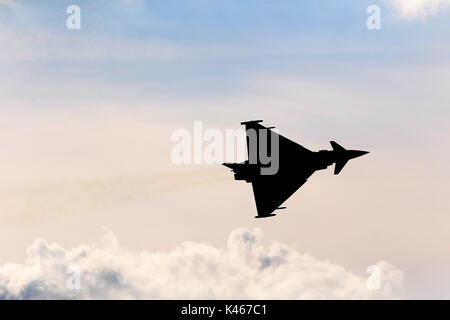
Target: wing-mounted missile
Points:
(251, 122)
(269, 215)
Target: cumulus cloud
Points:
(245, 269)
(411, 9)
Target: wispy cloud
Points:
(10, 3)
(412, 9)
(244, 269)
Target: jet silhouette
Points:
(295, 165)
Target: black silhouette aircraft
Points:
(295, 165)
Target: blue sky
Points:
(215, 43)
(299, 30)
(201, 49)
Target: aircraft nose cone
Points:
(358, 153)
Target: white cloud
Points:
(411, 9)
(244, 269)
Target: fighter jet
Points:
(295, 164)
